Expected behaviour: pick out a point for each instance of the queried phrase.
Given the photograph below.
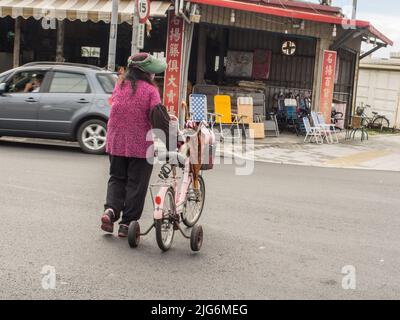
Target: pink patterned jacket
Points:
(129, 120)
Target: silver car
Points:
(61, 101)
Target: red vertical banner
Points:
(328, 83)
(172, 77)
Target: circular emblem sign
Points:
(289, 48)
(143, 10)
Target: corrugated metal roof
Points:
(305, 6)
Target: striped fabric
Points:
(84, 10)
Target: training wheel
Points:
(134, 234)
(196, 238)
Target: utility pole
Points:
(354, 13)
(135, 30)
(113, 36)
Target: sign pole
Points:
(113, 36)
(140, 16)
(135, 31)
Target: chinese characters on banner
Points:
(174, 62)
(328, 83)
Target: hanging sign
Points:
(328, 83)
(143, 10)
(172, 85)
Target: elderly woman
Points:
(133, 99)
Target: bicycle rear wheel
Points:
(194, 203)
(165, 227)
(380, 123)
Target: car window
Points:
(66, 82)
(3, 76)
(26, 81)
(107, 81)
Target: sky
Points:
(383, 14)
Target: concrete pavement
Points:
(284, 232)
(380, 152)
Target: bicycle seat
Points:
(173, 158)
(374, 113)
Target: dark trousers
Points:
(127, 187)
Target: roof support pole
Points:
(222, 48)
(112, 47)
(135, 32)
(17, 42)
(322, 45)
(378, 46)
(60, 41)
(201, 55)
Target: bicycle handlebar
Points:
(180, 131)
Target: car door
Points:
(19, 109)
(68, 96)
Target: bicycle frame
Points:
(180, 195)
(172, 182)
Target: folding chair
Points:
(312, 132)
(198, 107)
(330, 127)
(291, 118)
(245, 109)
(258, 105)
(210, 91)
(224, 116)
(326, 132)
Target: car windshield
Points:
(107, 81)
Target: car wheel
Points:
(92, 136)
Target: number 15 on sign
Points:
(143, 10)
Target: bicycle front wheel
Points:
(165, 227)
(381, 123)
(194, 203)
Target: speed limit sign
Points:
(143, 10)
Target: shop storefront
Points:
(72, 31)
(248, 48)
(262, 48)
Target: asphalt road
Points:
(284, 232)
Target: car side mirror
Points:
(2, 88)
